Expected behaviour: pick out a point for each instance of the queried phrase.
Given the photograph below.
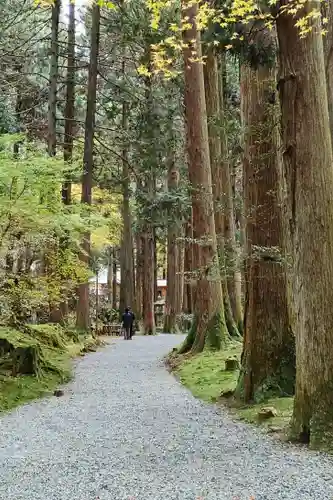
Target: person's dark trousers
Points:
(127, 332)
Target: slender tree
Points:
(53, 79)
(70, 101)
(83, 312)
(126, 251)
(308, 180)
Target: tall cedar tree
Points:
(70, 101)
(232, 264)
(55, 311)
(126, 251)
(53, 80)
(83, 310)
(208, 327)
(218, 165)
(308, 181)
(268, 361)
(174, 255)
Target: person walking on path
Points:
(127, 324)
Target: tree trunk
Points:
(268, 361)
(114, 280)
(219, 165)
(70, 102)
(180, 271)
(110, 276)
(232, 264)
(188, 269)
(173, 289)
(66, 192)
(327, 12)
(155, 261)
(126, 251)
(208, 328)
(308, 181)
(139, 275)
(55, 314)
(148, 282)
(83, 312)
(53, 79)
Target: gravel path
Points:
(126, 429)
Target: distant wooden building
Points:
(103, 287)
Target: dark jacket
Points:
(127, 319)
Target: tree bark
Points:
(114, 279)
(208, 328)
(70, 103)
(139, 275)
(66, 191)
(327, 12)
(173, 288)
(308, 181)
(148, 282)
(53, 79)
(83, 310)
(219, 165)
(188, 268)
(268, 361)
(110, 276)
(126, 252)
(232, 258)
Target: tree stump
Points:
(231, 364)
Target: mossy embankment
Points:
(34, 362)
(206, 376)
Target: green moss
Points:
(217, 332)
(284, 407)
(52, 349)
(189, 340)
(205, 375)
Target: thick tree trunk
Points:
(208, 328)
(308, 181)
(268, 361)
(173, 288)
(219, 165)
(327, 12)
(83, 312)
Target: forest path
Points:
(126, 429)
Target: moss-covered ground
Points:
(205, 375)
(53, 348)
